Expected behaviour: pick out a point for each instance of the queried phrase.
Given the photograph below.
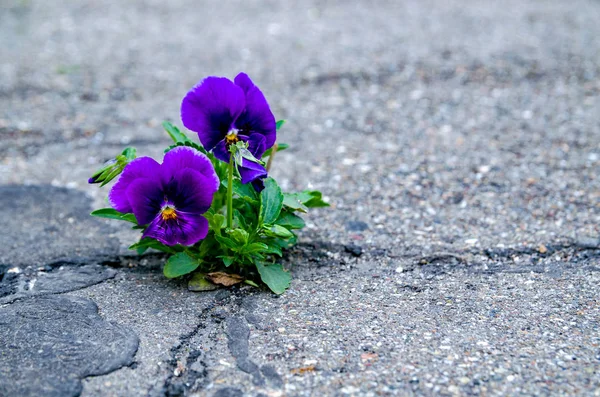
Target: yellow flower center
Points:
(168, 214)
(231, 139)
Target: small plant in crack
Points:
(211, 205)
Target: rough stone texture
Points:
(50, 280)
(436, 328)
(49, 343)
(42, 225)
(456, 140)
(166, 317)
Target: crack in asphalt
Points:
(548, 250)
(185, 365)
(238, 336)
(232, 311)
(324, 256)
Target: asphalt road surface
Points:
(459, 145)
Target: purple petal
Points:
(250, 171)
(190, 191)
(259, 184)
(146, 198)
(186, 229)
(257, 145)
(143, 167)
(221, 151)
(181, 158)
(211, 107)
(257, 116)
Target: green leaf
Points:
(240, 236)
(226, 242)
(140, 250)
(130, 153)
(240, 219)
(276, 278)
(271, 201)
(198, 283)
(290, 221)
(243, 190)
(176, 135)
(283, 243)
(279, 124)
(189, 144)
(254, 248)
(280, 147)
(180, 264)
(227, 260)
(303, 200)
(220, 167)
(317, 203)
(311, 198)
(250, 282)
(146, 243)
(291, 201)
(216, 222)
(114, 214)
(278, 231)
(206, 245)
(273, 249)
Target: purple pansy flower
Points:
(223, 112)
(170, 197)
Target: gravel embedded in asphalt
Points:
(459, 145)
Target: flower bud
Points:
(113, 167)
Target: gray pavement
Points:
(459, 145)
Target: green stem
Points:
(270, 161)
(230, 193)
(190, 253)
